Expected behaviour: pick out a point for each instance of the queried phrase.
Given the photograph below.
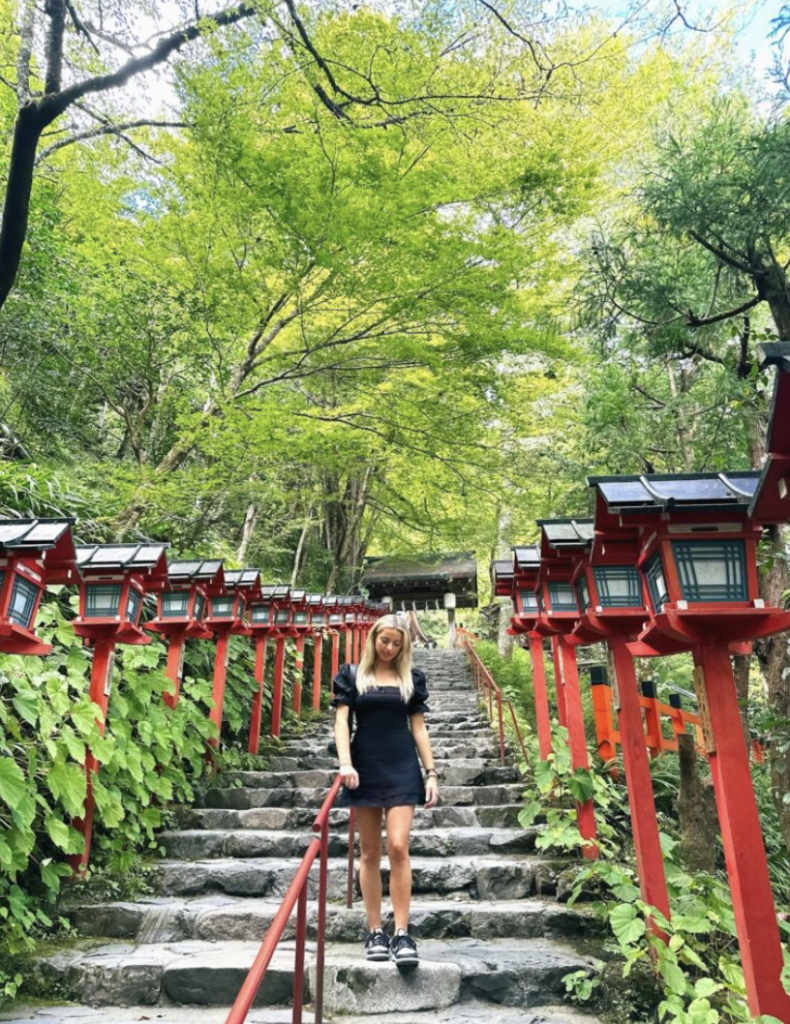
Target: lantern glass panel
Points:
(656, 582)
(259, 614)
(562, 597)
(529, 601)
(282, 616)
(23, 600)
(221, 607)
(200, 606)
(300, 618)
(583, 592)
(175, 604)
(711, 570)
(134, 603)
(618, 586)
(351, 619)
(102, 600)
(335, 620)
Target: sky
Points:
(753, 18)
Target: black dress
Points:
(383, 750)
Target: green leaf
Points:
(68, 784)
(626, 924)
(26, 704)
(58, 832)
(581, 785)
(12, 782)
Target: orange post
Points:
(101, 681)
(257, 701)
(317, 653)
(605, 731)
(175, 666)
(541, 694)
(744, 852)
(218, 689)
(653, 735)
(277, 694)
(562, 713)
(299, 666)
(577, 739)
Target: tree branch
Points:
(717, 318)
(721, 254)
(107, 129)
(26, 32)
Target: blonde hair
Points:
(401, 664)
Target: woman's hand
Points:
(349, 775)
(431, 792)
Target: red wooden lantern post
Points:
(227, 606)
(283, 629)
(613, 609)
(558, 614)
(318, 623)
(260, 623)
(182, 604)
(349, 621)
(698, 561)
(114, 580)
(526, 571)
(301, 625)
(33, 552)
(335, 623)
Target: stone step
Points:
(515, 972)
(317, 762)
(461, 772)
(472, 1012)
(488, 877)
(453, 796)
(220, 918)
(434, 842)
(497, 816)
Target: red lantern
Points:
(226, 614)
(115, 578)
(698, 565)
(319, 618)
(183, 603)
(33, 552)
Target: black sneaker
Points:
(403, 949)
(377, 945)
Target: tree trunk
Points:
(697, 812)
(250, 521)
(16, 208)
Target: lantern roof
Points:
(244, 579)
(566, 534)
(195, 571)
(314, 600)
(298, 596)
(502, 573)
(51, 538)
(771, 502)
(526, 558)
(280, 593)
(345, 601)
(330, 600)
(144, 559)
(684, 492)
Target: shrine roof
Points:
(687, 492)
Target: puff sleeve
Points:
(420, 696)
(343, 688)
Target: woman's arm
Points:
(343, 744)
(423, 741)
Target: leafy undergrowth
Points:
(151, 760)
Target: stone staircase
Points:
(492, 939)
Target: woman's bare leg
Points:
(369, 825)
(398, 830)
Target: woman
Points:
(381, 775)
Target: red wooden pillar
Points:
(175, 666)
(335, 659)
(218, 688)
(277, 693)
(747, 866)
(257, 701)
(101, 681)
(317, 653)
(653, 732)
(349, 647)
(605, 732)
(298, 669)
(644, 823)
(562, 714)
(541, 694)
(576, 737)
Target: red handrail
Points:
(485, 681)
(297, 893)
